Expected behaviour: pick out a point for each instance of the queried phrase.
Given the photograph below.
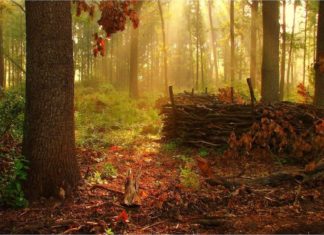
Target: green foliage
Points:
(11, 193)
(108, 231)
(12, 106)
(184, 158)
(109, 171)
(203, 152)
(96, 178)
(189, 178)
(171, 146)
(107, 117)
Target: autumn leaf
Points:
(114, 148)
(204, 167)
(122, 217)
(310, 166)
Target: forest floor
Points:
(168, 206)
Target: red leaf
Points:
(122, 217)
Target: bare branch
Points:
(18, 5)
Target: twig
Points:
(105, 187)
(18, 5)
(154, 224)
(70, 230)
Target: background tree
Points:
(133, 83)
(319, 66)
(232, 41)
(2, 72)
(283, 51)
(165, 55)
(289, 65)
(253, 55)
(213, 38)
(270, 55)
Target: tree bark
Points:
(2, 68)
(283, 52)
(232, 41)
(213, 37)
(270, 52)
(319, 67)
(253, 63)
(49, 142)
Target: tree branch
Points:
(18, 5)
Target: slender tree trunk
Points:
(191, 51)
(201, 66)
(232, 41)
(165, 55)
(88, 54)
(319, 67)
(133, 83)
(253, 63)
(305, 43)
(283, 52)
(49, 142)
(2, 68)
(291, 50)
(270, 62)
(213, 37)
(197, 44)
(314, 40)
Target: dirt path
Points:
(168, 206)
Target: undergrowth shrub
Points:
(106, 117)
(13, 166)
(12, 107)
(13, 173)
(189, 178)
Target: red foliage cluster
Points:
(304, 94)
(114, 14)
(227, 95)
(99, 46)
(281, 131)
(113, 18)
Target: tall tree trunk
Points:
(197, 44)
(191, 51)
(165, 55)
(305, 43)
(201, 66)
(291, 50)
(283, 52)
(232, 41)
(314, 41)
(133, 83)
(2, 68)
(253, 63)
(270, 52)
(319, 68)
(213, 37)
(49, 142)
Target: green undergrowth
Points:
(13, 166)
(106, 117)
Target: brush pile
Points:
(282, 127)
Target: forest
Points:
(161, 116)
